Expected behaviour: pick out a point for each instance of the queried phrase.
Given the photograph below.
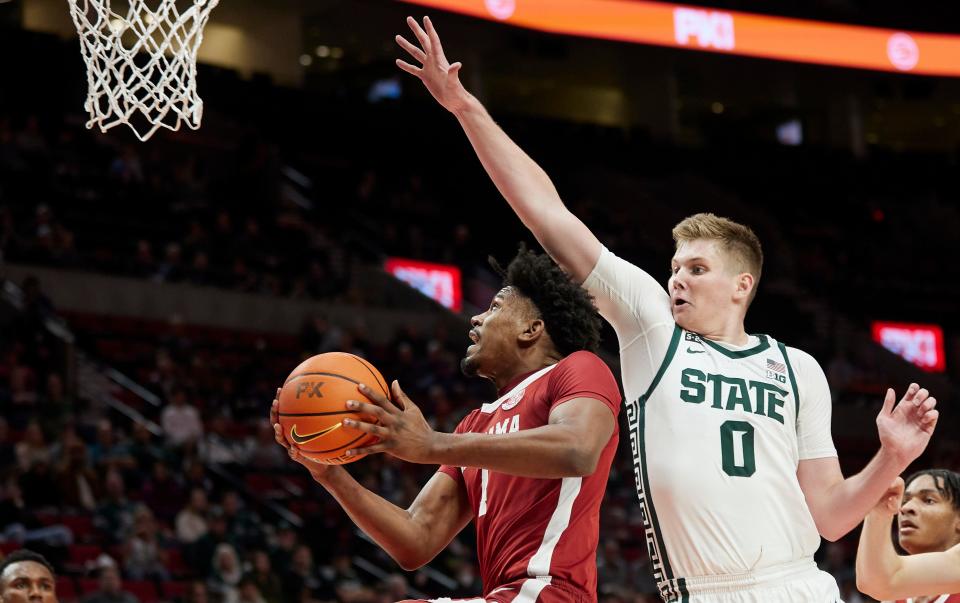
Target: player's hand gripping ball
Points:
(313, 405)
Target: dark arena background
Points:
(155, 294)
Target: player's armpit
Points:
(440, 512)
(591, 422)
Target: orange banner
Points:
(723, 31)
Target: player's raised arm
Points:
(885, 575)
(522, 182)
(837, 504)
(412, 536)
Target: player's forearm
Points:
(877, 562)
(848, 502)
(387, 524)
(550, 451)
(523, 183)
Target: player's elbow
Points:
(832, 533)
(410, 560)
(828, 526)
(872, 587)
(408, 564)
(582, 462)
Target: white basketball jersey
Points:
(716, 432)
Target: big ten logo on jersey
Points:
(508, 425)
(310, 389)
(692, 337)
(776, 371)
(710, 28)
(732, 393)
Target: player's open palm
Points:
(440, 77)
(905, 429)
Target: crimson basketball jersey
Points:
(941, 599)
(540, 531)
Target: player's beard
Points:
(468, 366)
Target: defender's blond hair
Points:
(738, 242)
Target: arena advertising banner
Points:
(440, 282)
(920, 344)
(721, 31)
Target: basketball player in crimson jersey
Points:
(928, 514)
(529, 468)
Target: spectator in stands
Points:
(197, 593)
(27, 576)
(249, 592)
(285, 544)
(19, 524)
(32, 448)
(55, 404)
(143, 449)
(127, 167)
(262, 575)
(191, 522)
(77, 483)
(301, 576)
(226, 573)
(202, 553)
(196, 476)
(171, 269)
(181, 421)
(145, 556)
(164, 492)
(143, 264)
(264, 453)
(108, 451)
(114, 516)
(243, 525)
(218, 447)
(199, 271)
(110, 588)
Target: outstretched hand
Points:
(905, 429)
(315, 468)
(402, 430)
(440, 77)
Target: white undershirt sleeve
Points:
(638, 309)
(814, 439)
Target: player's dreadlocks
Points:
(947, 483)
(567, 310)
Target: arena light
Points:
(440, 282)
(921, 344)
(728, 32)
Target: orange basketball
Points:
(313, 405)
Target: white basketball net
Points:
(141, 60)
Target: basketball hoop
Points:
(141, 62)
